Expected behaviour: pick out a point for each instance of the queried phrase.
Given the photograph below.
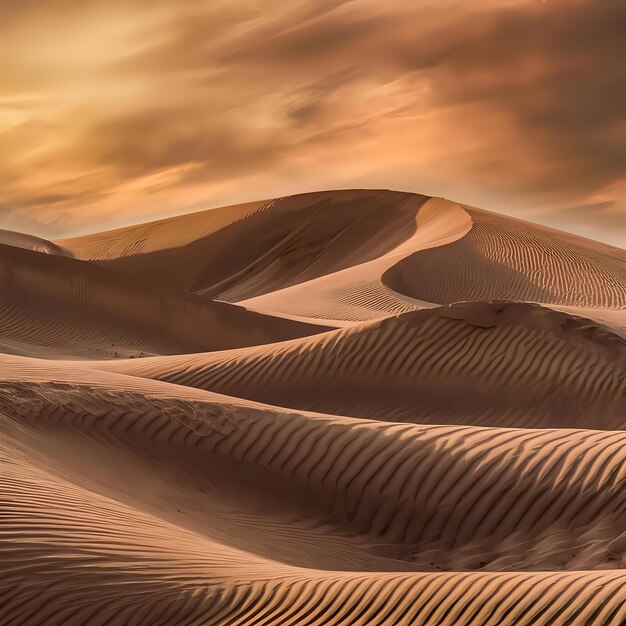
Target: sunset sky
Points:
(120, 111)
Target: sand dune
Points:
(30, 242)
(502, 364)
(356, 407)
(58, 307)
(358, 255)
(93, 560)
(316, 255)
(287, 241)
(357, 293)
(522, 261)
(181, 482)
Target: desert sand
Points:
(344, 407)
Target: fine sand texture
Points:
(344, 407)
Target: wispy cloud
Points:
(117, 111)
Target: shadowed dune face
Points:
(502, 258)
(59, 307)
(287, 241)
(359, 407)
(357, 293)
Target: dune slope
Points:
(87, 559)
(200, 491)
(503, 364)
(353, 407)
(254, 248)
(504, 258)
(60, 307)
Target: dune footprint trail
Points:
(351, 407)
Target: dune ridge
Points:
(357, 293)
(30, 242)
(288, 240)
(509, 364)
(523, 262)
(344, 407)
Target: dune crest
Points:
(344, 407)
(522, 261)
(503, 364)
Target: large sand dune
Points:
(504, 364)
(357, 407)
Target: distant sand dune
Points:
(287, 241)
(357, 293)
(30, 242)
(324, 255)
(53, 306)
(503, 258)
(350, 407)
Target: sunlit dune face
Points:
(120, 111)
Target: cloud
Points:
(555, 69)
(509, 104)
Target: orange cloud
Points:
(113, 112)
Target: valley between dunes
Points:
(343, 407)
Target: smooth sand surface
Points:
(30, 242)
(351, 407)
(60, 307)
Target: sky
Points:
(120, 111)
